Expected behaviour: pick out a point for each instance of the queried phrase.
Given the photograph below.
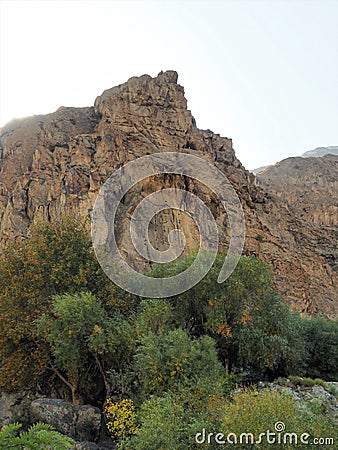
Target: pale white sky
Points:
(264, 73)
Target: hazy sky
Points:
(264, 73)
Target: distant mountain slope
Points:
(321, 151)
(317, 152)
(259, 169)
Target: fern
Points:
(39, 436)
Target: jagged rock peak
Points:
(144, 91)
(143, 81)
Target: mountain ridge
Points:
(55, 164)
(315, 153)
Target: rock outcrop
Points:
(55, 164)
(308, 187)
(81, 423)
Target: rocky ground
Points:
(85, 423)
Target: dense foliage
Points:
(55, 259)
(161, 369)
(168, 423)
(37, 437)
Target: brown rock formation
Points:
(55, 164)
(308, 187)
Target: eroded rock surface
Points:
(55, 164)
(82, 423)
(308, 187)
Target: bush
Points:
(308, 382)
(295, 380)
(121, 420)
(333, 390)
(170, 422)
(154, 316)
(164, 362)
(161, 420)
(256, 412)
(299, 381)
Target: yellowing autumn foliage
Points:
(121, 419)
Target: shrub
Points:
(164, 362)
(308, 382)
(170, 422)
(161, 420)
(121, 420)
(295, 380)
(256, 412)
(153, 316)
(299, 381)
(333, 390)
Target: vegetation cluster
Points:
(162, 370)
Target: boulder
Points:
(78, 422)
(58, 413)
(15, 408)
(88, 423)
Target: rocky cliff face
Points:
(55, 164)
(308, 188)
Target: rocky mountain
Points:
(259, 169)
(321, 151)
(55, 164)
(308, 187)
(317, 152)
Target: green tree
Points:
(54, 259)
(165, 361)
(272, 340)
(248, 320)
(154, 316)
(81, 334)
(321, 338)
